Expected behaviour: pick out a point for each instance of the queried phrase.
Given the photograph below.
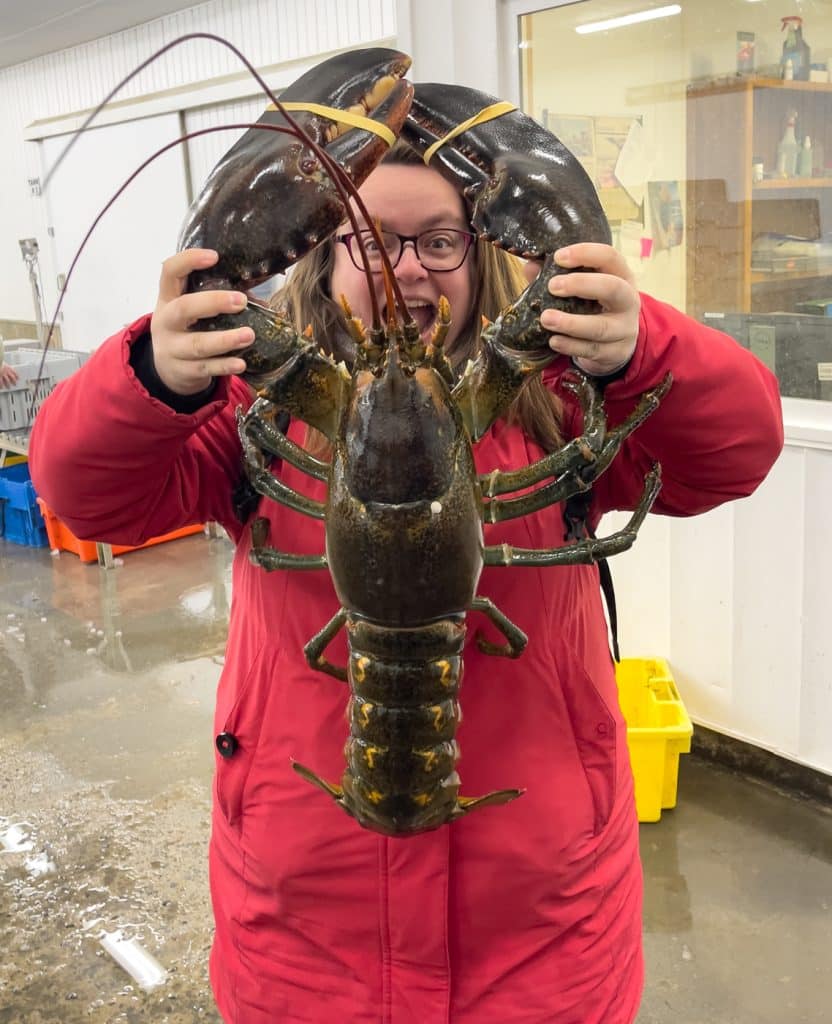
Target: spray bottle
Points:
(788, 149)
(795, 50)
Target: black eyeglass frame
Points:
(347, 240)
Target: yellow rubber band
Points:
(343, 117)
(486, 114)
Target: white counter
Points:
(739, 600)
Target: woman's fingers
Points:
(202, 345)
(185, 310)
(200, 370)
(601, 342)
(8, 376)
(613, 293)
(602, 258)
(187, 359)
(176, 268)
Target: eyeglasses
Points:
(440, 249)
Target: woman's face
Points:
(409, 199)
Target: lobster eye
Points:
(308, 165)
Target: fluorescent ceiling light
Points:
(629, 19)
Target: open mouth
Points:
(423, 312)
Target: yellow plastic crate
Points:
(658, 731)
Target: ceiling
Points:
(31, 28)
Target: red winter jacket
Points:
(521, 914)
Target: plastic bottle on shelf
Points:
(804, 159)
(795, 49)
(818, 161)
(787, 149)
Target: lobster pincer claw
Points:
(270, 200)
(526, 192)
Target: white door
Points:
(117, 274)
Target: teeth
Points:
(413, 304)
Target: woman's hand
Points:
(8, 376)
(185, 360)
(600, 343)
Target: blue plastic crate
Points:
(20, 518)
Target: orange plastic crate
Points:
(61, 538)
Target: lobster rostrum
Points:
(405, 505)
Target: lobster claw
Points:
(525, 191)
(269, 200)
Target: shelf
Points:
(779, 83)
(781, 276)
(727, 212)
(784, 184)
(736, 83)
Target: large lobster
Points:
(405, 508)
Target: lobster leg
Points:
(265, 483)
(515, 637)
(581, 474)
(583, 552)
(314, 649)
(261, 430)
(490, 383)
(271, 559)
(311, 387)
(580, 451)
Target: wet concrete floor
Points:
(107, 680)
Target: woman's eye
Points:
(439, 241)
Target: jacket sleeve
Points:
(117, 465)
(716, 433)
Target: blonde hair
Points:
(498, 280)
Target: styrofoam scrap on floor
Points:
(39, 865)
(142, 967)
(14, 840)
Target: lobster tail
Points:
(402, 751)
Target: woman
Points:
(524, 913)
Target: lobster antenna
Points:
(191, 135)
(344, 185)
(389, 277)
(339, 177)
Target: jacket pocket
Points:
(238, 733)
(594, 729)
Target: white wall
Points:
(455, 42)
(737, 600)
(275, 35)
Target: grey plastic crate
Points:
(19, 404)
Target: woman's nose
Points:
(409, 265)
